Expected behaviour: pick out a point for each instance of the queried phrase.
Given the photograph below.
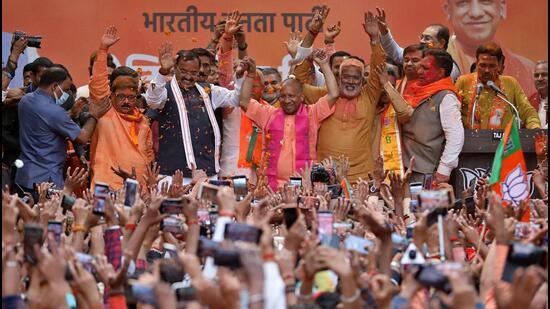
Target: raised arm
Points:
(156, 95)
(249, 65)
(321, 58)
(402, 109)
(394, 51)
(8, 72)
(378, 56)
(315, 26)
(99, 84)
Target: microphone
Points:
(479, 87)
(495, 88)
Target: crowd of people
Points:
(218, 184)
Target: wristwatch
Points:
(245, 46)
(374, 189)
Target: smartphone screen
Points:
(470, 205)
(131, 190)
(430, 199)
(171, 271)
(242, 232)
(171, 206)
(54, 229)
(186, 294)
(415, 189)
(290, 216)
(86, 260)
(172, 224)
(33, 235)
(325, 220)
(431, 218)
(335, 191)
(227, 258)
(219, 183)
(358, 244)
(240, 186)
(143, 293)
(101, 192)
(296, 181)
(427, 183)
(207, 247)
(208, 192)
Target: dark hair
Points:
(40, 62)
(473, 67)
(442, 34)
(271, 71)
(339, 53)
(93, 57)
(541, 62)
(414, 48)
(187, 55)
(391, 71)
(122, 71)
(492, 49)
(58, 65)
(204, 52)
(442, 58)
(53, 75)
(27, 67)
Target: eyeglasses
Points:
(130, 98)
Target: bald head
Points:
(291, 82)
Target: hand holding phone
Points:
(101, 193)
(240, 186)
(32, 235)
(131, 192)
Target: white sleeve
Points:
(156, 94)
(319, 77)
(302, 54)
(274, 287)
(223, 97)
(4, 95)
(392, 49)
(451, 122)
(455, 73)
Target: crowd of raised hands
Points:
(312, 244)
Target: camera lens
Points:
(412, 254)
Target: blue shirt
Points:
(43, 131)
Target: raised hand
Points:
(166, 57)
(379, 174)
(381, 20)
(318, 20)
(382, 73)
(250, 65)
(370, 25)
(109, 38)
(293, 43)
(332, 32)
(123, 173)
(219, 30)
(320, 57)
(232, 23)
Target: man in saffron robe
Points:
(122, 138)
(290, 132)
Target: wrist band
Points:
(313, 32)
(192, 222)
(227, 214)
(328, 42)
(303, 297)
(130, 226)
(269, 256)
(453, 238)
(78, 228)
(290, 288)
(352, 298)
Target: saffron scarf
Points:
(419, 93)
(134, 119)
(275, 138)
(390, 141)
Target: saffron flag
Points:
(509, 176)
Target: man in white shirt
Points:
(539, 99)
(434, 135)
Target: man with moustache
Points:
(272, 84)
(475, 22)
(491, 112)
(539, 99)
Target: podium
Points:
(479, 151)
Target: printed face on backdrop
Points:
(351, 81)
(124, 100)
(187, 72)
(411, 64)
(291, 97)
(475, 21)
(428, 72)
(272, 84)
(487, 68)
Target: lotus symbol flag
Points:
(515, 187)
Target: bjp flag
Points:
(509, 177)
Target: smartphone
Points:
(207, 247)
(429, 199)
(296, 181)
(290, 215)
(335, 191)
(203, 216)
(278, 242)
(522, 255)
(131, 191)
(101, 192)
(186, 294)
(410, 232)
(172, 224)
(208, 192)
(431, 218)
(431, 277)
(143, 293)
(470, 205)
(415, 189)
(86, 260)
(399, 242)
(358, 244)
(55, 228)
(428, 180)
(240, 186)
(242, 232)
(227, 258)
(67, 202)
(171, 271)
(330, 240)
(325, 221)
(173, 206)
(33, 234)
(220, 183)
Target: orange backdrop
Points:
(71, 29)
